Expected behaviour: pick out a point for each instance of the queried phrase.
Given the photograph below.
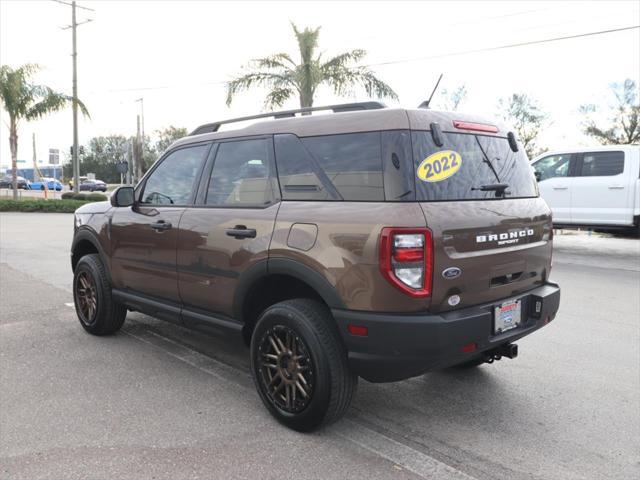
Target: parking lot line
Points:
(392, 450)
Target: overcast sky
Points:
(178, 54)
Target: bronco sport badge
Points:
(513, 236)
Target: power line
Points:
(502, 47)
(409, 60)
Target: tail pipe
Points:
(509, 350)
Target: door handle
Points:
(160, 226)
(240, 231)
(616, 187)
(560, 188)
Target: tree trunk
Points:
(306, 101)
(13, 145)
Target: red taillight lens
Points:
(477, 127)
(406, 258)
(408, 255)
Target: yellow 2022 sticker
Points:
(439, 166)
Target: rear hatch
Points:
(491, 231)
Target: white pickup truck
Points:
(592, 187)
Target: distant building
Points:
(53, 171)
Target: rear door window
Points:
(465, 163)
(241, 174)
(601, 164)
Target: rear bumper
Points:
(400, 346)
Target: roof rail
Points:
(344, 107)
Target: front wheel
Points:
(96, 310)
(299, 365)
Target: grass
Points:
(39, 205)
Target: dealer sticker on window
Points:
(439, 166)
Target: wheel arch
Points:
(85, 242)
(274, 280)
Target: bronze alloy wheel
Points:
(86, 297)
(286, 369)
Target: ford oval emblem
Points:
(451, 273)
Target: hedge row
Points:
(40, 205)
(93, 197)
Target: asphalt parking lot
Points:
(157, 401)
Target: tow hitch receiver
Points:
(509, 350)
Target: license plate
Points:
(507, 316)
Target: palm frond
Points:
(277, 96)
(343, 80)
(279, 60)
(50, 101)
(376, 87)
(263, 79)
(343, 59)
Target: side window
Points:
(300, 175)
(241, 174)
(352, 162)
(172, 181)
(602, 164)
(552, 166)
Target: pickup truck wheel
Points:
(96, 310)
(299, 365)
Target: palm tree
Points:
(23, 100)
(286, 78)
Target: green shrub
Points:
(39, 205)
(93, 197)
(96, 197)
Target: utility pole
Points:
(74, 56)
(141, 100)
(138, 151)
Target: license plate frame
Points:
(507, 316)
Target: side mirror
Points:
(537, 174)
(122, 197)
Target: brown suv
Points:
(372, 242)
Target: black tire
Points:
(106, 316)
(41, 187)
(330, 382)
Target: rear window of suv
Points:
(466, 162)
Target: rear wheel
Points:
(96, 310)
(299, 365)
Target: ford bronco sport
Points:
(372, 242)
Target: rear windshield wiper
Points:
(499, 188)
(486, 159)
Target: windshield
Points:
(469, 167)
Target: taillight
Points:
(406, 259)
(477, 127)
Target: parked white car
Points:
(592, 187)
